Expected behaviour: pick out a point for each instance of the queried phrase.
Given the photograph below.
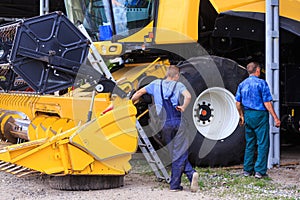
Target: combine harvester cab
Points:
(51, 134)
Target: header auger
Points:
(50, 133)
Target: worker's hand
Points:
(277, 122)
(135, 102)
(242, 120)
(180, 108)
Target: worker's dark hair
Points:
(251, 67)
(172, 71)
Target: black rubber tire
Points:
(198, 75)
(85, 182)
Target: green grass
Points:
(220, 183)
(229, 183)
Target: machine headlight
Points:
(113, 48)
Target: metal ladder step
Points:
(151, 156)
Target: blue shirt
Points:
(252, 93)
(154, 89)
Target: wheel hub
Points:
(204, 112)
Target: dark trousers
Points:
(177, 144)
(257, 133)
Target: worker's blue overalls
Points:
(177, 142)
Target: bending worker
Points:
(254, 101)
(166, 94)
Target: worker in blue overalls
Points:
(166, 94)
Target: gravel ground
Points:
(142, 184)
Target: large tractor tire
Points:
(216, 139)
(85, 182)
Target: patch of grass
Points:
(228, 183)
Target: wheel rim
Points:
(214, 113)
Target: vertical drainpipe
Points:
(44, 7)
(272, 74)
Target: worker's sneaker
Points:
(194, 183)
(247, 174)
(259, 175)
(177, 189)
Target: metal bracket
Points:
(275, 34)
(275, 97)
(275, 161)
(274, 2)
(274, 66)
(274, 130)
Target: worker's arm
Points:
(138, 94)
(270, 108)
(241, 113)
(187, 99)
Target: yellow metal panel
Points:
(288, 8)
(79, 159)
(110, 135)
(132, 73)
(75, 108)
(38, 155)
(5, 155)
(222, 6)
(113, 166)
(177, 21)
(103, 48)
(119, 164)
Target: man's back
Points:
(253, 92)
(171, 89)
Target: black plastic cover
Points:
(48, 51)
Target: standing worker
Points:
(254, 101)
(166, 95)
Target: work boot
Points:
(246, 174)
(177, 189)
(259, 175)
(194, 183)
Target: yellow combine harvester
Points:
(210, 40)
